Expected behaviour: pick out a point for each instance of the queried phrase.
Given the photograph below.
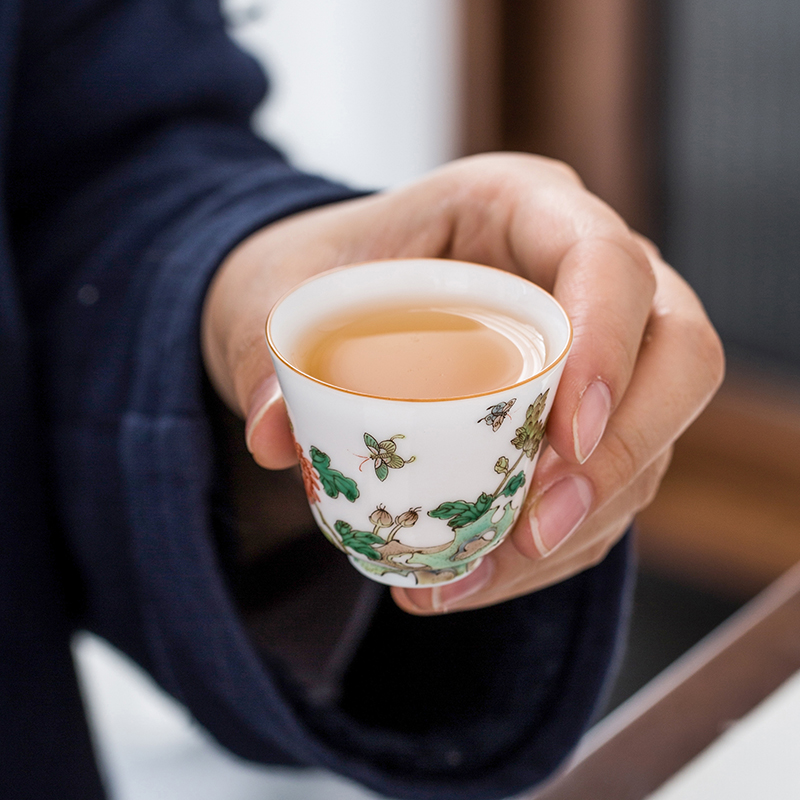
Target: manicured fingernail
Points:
(559, 511)
(264, 398)
(591, 419)
(448, 597)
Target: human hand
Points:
(645, 359)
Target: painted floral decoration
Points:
(477, 525)
(530, 434)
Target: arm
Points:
(134, 174)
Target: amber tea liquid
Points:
(414, 352)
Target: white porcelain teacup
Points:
(416, 492)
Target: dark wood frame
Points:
(575, 80)
(675, 717)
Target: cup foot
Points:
(413, 578)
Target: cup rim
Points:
(501, 389)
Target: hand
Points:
(644, 363)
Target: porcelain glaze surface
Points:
(417, 492)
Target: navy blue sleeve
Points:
(135, 173)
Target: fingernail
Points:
(591, 419)
(447, 597)
(559, 511)
(263, 399)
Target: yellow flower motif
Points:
(531, 432)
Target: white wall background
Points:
(364, 90)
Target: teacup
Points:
(417, 491)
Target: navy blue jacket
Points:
(128, 172)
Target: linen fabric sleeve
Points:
(135, 172)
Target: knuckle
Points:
(701, 340)
(649, 246)
(624, 453)
(620, 358)
(616, 237)
(694, 331)
(652, 478)
(664, 460)
(647, 485)
(598, 550)
(569, 172)
(613, 240)
(654, 484)
(642, 265)
(713, 357)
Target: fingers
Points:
(576, 512)
(242, 376)
(607, 288)
(522, 213)
(267, 431)
(679, 367)
(532, 216)
(507, 573)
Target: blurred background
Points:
(685, 116)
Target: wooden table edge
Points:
(645, 741)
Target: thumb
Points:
(267, 431)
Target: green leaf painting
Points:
(333, 482)
(460, 512)
(469, 540)
(360, 541)
(513, 486)
(342, 528)
(476, 526)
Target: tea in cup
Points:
(418, 392)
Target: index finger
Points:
(606, 287)
(532, 216)
(681, 365)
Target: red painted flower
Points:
(310, 480)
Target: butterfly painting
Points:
(498, 413)
(384, 455)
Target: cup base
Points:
(414, 578)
